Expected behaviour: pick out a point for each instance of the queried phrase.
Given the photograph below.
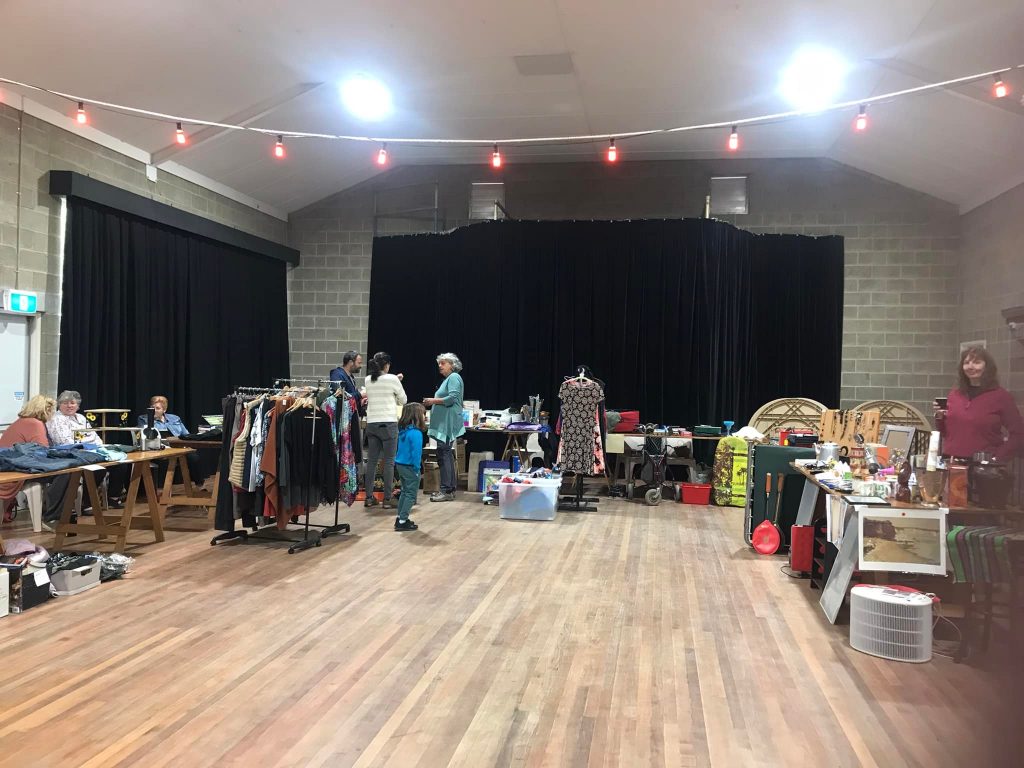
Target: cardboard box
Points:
(29, 586)
(431, 477)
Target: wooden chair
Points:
(787, 413)
(902, 414)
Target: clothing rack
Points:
(310, 538)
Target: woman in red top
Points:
(980, 416)
(29, 427)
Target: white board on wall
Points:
(14, 352)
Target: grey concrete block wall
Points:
(901, 302)
(30, 257)
(992, 276)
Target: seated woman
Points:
(170, 425)
(30, 427)
(67, 427)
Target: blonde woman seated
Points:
(30, 427)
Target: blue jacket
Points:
(410, 447)
(172, 424)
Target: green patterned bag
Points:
(729, 477)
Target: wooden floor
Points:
(630, 636)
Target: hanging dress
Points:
(579, 449)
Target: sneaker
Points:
(442, 496)
(387, 505)
(370, 502)
(406, 525)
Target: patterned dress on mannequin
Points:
(579, 449)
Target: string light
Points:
(613, 153)
(999, 89)
(382, 155)
(861, 123)
(179, 135)
(279, 152)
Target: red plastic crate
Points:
(696, 493)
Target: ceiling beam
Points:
(244, 117)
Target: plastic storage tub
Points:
(75, 580)
(695, 493)
(533, 500)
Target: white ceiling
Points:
(450, 65)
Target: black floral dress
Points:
(579, 449)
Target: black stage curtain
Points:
(691, 321)
(151, 310)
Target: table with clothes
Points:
(34, 459)
(28, 462)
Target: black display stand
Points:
(578, 502)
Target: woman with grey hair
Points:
(446, 421)
(67, 425)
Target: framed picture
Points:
(905, 540)
(898, 438)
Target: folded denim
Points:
(34, 458)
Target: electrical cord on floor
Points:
(788, 571)
(939, 617)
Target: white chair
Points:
(33, 493)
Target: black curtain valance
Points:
(691, 321)
(149, 309)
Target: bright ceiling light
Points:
(813, 78)
(366, 98)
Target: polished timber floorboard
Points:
(629, 636)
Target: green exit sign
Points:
(22, 302)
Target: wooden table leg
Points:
(168, 489)
(69, 507)
(97, 505)
(129, 506)
(520, 450)
(186, 476)
(212, 508)
(156, 512)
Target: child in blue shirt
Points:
(411, 427)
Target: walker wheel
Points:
(653, 497)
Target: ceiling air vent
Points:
(486, 200)
(728, 195)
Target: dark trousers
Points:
(446, 465)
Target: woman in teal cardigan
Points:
(446, 421)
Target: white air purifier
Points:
(891, 622)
